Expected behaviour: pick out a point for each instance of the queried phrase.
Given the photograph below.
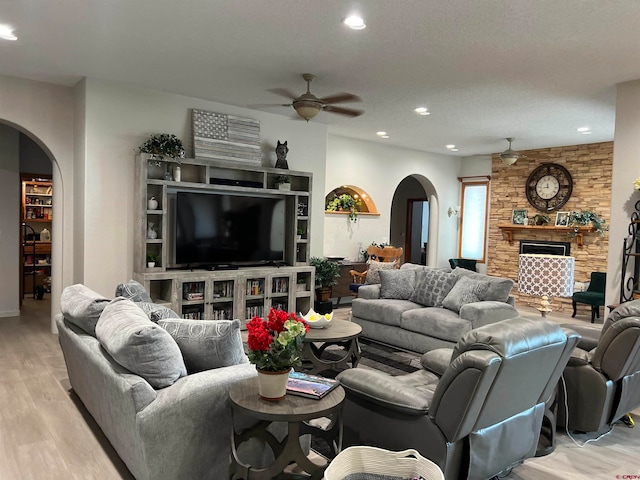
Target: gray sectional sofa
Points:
(159, 391)
(420, 308)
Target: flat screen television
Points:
(228, 228)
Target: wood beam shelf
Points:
(508, 229)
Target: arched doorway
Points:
(414, 219)
(23, 153)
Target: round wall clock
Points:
(549, 187)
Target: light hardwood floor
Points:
(45, 432)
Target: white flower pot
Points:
(284, 186)
(272, 386)
(151, 264)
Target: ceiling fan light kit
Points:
(308, 105)
(509, 156)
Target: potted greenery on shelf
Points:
(541, 219)
(151, 260)
(162, 145)
(344, 203)
(586, 218)
(283, 182)
(327, 274)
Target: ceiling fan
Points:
(509, 156)
(308, 105)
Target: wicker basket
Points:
(370, 463)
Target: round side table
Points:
(296, 411)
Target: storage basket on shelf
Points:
(371, 463)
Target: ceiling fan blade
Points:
(343, 111)
(283, 92)
(267, 105)
(341, 97)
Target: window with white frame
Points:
(473, 220)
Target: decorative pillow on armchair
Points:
(207, 344)
(466, 290)
(432, 286)
(398, 284)
(373, 272)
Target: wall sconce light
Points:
(453, 211)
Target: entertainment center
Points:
(225, 240)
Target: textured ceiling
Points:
(486, 69)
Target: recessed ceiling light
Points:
(6, 32)
(422, 111)
(355, 22)
(586, 132)
(450, 146)
(384, 136)
(454, 149)
(583, 129)
(380, 134)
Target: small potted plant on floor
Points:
(151, 260)
(327, 274)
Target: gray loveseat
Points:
(420, 308)
(171, 420)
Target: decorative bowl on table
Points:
(317, 320)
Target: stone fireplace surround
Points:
(591, 168)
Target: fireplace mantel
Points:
(508, 229)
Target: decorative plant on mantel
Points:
(162, 145)
(586, 218)
(541, 219)
(344, 202)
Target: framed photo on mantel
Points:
(518, 216)
(562, 219)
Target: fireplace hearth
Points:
(544, 247)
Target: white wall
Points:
(118, 119)
(45, 113)
(378, 169)
(10, 217)
(626, 168)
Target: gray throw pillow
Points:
(431, 287)
(138, 344)
(373, 271)
(398, 284)
(156, 312)
(207, 344)
(133, 291)
(466, 290)
(82, 307)
(499, 287)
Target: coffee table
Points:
(297, 412)
(339, 332)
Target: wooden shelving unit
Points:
(509, 229)
(224, 294)
(36, 214)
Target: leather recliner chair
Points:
(602, 378)
(481, 417)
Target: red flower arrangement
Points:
(275, 344)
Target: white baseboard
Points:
(14, 313)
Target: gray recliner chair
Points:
(602, 379)
(484, 414)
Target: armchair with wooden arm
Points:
(385, 254)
